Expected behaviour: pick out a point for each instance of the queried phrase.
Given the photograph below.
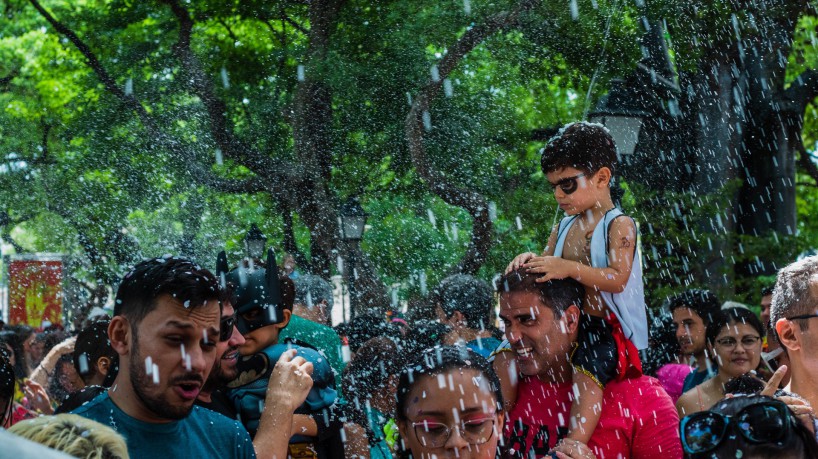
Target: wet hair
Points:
(766, 291)
(93, 344)
(664, 347)
(583, 146)
(792, 295)
(469, 295)
(365, 327)
(556, 294)
(13, 340)
(746, 384)
(55, 388)
(800, 442)
(375, 361)
(439, 360)
(731, 316)
(182, 279)
(311, 290)
(702, 302)
(74, 435)
(424, 334)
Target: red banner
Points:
(35, 292)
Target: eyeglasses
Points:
(765, 422)
(746, 342)
(802, 316)
(568, 185)
(435, 434)
(226, 327)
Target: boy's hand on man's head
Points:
(519, 261)
(551, 268)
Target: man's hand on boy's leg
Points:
(551, 268)
(518, 261)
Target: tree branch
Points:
(805, 161)
(297, 26)
(471, 201)
(803, 90)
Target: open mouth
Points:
(524, 352)
(234, 355)
(188, 390)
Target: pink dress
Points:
(672, 377)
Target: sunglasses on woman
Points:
(766, 422)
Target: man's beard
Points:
(158, 404)
(219, 377)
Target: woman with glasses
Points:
(449, 405)
(752, 426)
(734, 342)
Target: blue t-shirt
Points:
(202, 434)
(697, 377)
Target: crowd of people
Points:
(559, 358)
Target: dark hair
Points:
(8, 383)
(746, 384)
(557, 294)
(469, 295)
(424, 334)
(51, 338)
(182, 279)
(8, 336)
(664, 347)
(584, 146)
(767, 291)
(439, 360)
(374, 363)
(800, 443)
(93, 344)
(365, 327)
(702, 302)
(55, 389)
(732, 316)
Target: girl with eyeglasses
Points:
(750, 427)
(734, 343)
(449, 405)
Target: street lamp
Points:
(621, 112)
(353, 219)
(352, 222)
(255, 242)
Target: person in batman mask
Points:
(263, 302)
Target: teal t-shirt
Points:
(202, 434)
(318, 336)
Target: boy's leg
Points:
(586, 407)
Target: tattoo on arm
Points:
(625, 242)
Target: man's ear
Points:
(571, 316)
(119, 333)
(103, 365)
(788, 336)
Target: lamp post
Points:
(352, 222)
(254, 243)
(623, 115)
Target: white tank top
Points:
(629, 306)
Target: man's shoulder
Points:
(95, 407)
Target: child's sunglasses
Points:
(569, 184)
(765, 422)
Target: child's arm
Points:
(612, 279)
(520, 259)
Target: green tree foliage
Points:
(130, 129)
